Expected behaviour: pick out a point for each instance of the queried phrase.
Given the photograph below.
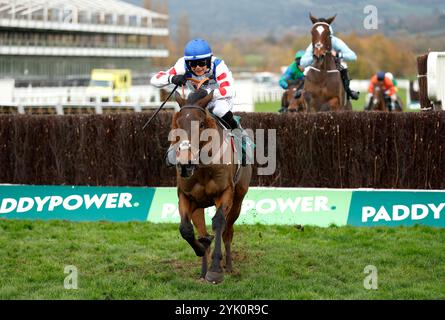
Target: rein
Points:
(198, 83)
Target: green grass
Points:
(149, 261)
(356, 105)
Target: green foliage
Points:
(152, 261)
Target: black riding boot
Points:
(228, 119)
(346, 81)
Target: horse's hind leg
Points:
(204, 238)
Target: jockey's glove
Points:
(179, 79)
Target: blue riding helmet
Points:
(381, 75)
(197, 49)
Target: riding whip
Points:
(159, 109)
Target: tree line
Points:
(375, 51)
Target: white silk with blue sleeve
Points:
(337, 44)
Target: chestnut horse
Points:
(201, 185)
(294, 104)
(323, 86)
(378, 100)
(381, 102)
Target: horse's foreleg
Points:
(186, 227)
(204, 238)
(224, 204)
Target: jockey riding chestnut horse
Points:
(222, 183)
(327, 81)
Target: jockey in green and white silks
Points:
(293, 72)
(342, 52)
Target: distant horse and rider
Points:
(326, 86)
(292, 81)
(378, 99)
(326, 79)
(292, 100)
(382, 93)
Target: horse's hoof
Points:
(214, 277)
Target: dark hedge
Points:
(333, 150)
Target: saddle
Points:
(240, 140)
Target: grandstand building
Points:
(59, 42)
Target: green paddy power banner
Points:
(395, 208)
(320, 207)
(288, 206)
(75, 203)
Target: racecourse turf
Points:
(151, 261)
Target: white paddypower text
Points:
(72, 202)
(265, 206)
(402, 212)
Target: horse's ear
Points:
(313, 19)
(181, 101)
(331, 19)
(205, 101)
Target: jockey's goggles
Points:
(197, 63)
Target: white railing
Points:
(139, 98)
(436, 77)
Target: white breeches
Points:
(220, 107)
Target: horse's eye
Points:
(202, 125)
